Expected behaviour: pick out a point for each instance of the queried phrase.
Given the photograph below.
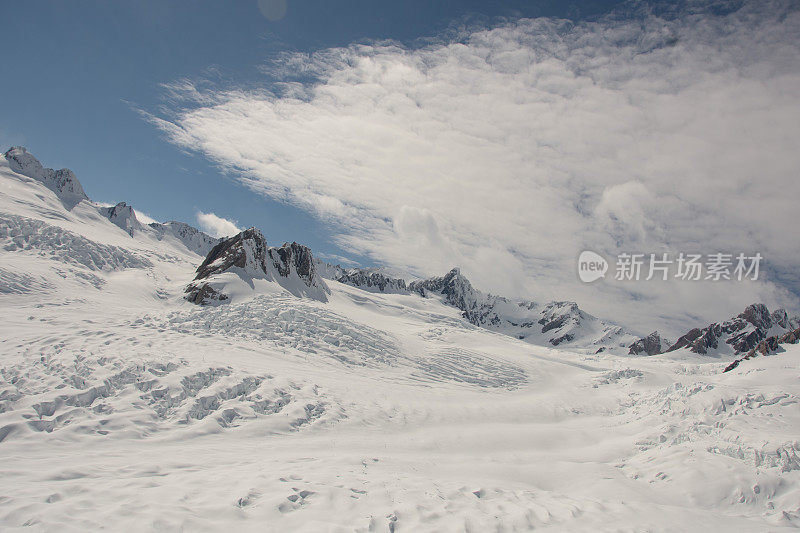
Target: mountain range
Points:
(155, 377)
(234, 266)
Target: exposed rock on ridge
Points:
(194, 239)
(767, 346)
(370, 280)
(247, 256)
(738, 335)
(653, 344)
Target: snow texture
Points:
(123, 406)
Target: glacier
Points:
(316, 398)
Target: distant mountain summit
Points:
(368, 279)
(555, 323)
(62, 182)
(124, 216)
(237, 265)
(246, 257)
(653, 344)
(69, 190)
(194, 239)
(739, 334)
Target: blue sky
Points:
(501, 137)
(77, 71)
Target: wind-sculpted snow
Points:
(469, 367)
(19, 233)
(100, 396)
(289, 324)
(20, 283)
(707, 422)
(310, 329)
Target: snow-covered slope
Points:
(553, 324)
(556, 323)
(27, 197)
(191, 237)
(62, 182)
(124, 406)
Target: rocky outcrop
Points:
(62, 182)
(246, 251)
(370, 280)
(653, 344)
(458, 292)
(124, 216)
(738, 335)
(248, 256)
(767, 346)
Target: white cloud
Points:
(217, 226)
(510, 151)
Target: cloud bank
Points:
(217, 226)
(508, 150)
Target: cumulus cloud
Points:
(217, 226)
(511, 149)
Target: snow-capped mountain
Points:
(739, 334)
(194, 239)
(342, 407)
(235, 264)
(555, 324)
(62, 182)
(71, 195)
(124, 217)
(653, 344)
(768, 346)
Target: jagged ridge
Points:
(248, 257)
(739, 334)
(69, 190)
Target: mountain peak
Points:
(739, 334)
(653, 344)
(62, 182)
(248, 256)
(124, 216)
(758, 315)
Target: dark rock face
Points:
(781, 318)
(653, 344)
(742, 333)
(248, 248)
(248, 252)
(203, 294)
(295, 255)
(368, 280)
(758, 315)
(567, 337)
(686, 340)
(767, 346)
